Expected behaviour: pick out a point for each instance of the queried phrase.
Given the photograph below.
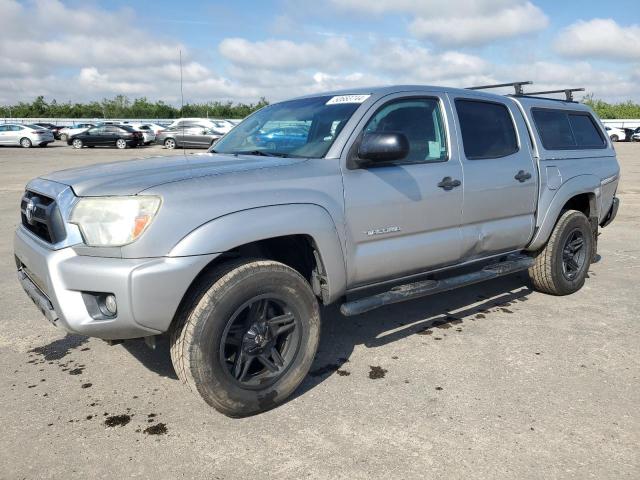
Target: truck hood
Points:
(133, 176)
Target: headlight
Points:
(113, 221)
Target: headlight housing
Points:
(114, 221)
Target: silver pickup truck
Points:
(365, 197)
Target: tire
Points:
(121, 143)
(206, 363)
(551, 273)
(170, 143)
(614, 138)
(64, 137)
(25, 143)
(77, 143)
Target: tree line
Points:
(122, 107)
(606, 110)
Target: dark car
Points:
(55, 129)
(282, 138)
(120, 136)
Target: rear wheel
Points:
(561, 267)
(25, 142)
(170, 143)
(614, 138)
(247, 336)
(64, 137)
(121, 143)
(77, 143)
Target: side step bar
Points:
(513, 263)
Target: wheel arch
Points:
(302, 236)
(580, 193)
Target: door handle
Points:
(522, 176)
(448, 183)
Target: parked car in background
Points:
(188, 137)
(120, 136)
(55, 129)
(148, 134)
(221, 126)
(25, 135)
(616, 134)
(155, 127)
(68, 132)
(279, 138)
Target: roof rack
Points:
(516, 85)
(567, 91)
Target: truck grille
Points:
(41, 216)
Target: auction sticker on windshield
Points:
(340, 99)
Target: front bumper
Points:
(148, 291)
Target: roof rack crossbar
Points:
(567, 91)
(516, 85)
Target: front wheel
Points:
(561, 267)
(614, 138)
(247, 336)
(25, 142)
(121, 143)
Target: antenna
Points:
(184, 148)
(516, 85)
(567, 91)
(181, 90)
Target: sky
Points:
(243, 50)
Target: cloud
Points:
(88, 52)
(332, 53)
(481, 29)
(599, 38)
(459, 22)
(48, 48)
(418, 64)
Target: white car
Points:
(68, 132)
(219, 126)
(25, 135)
(148, 134)
(155, 128)
(616, 134)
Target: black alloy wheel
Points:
(260, 341)
(573, 254)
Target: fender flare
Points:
(246, 226)
(575, 186)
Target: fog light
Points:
(110, 304)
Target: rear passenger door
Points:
(500, 176)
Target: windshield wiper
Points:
(260, 153)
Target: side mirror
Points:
(382, 147)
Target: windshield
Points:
(298, 128)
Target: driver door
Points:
(400, 218)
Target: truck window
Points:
(566, 130)
(487, 129)
(421, 121)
